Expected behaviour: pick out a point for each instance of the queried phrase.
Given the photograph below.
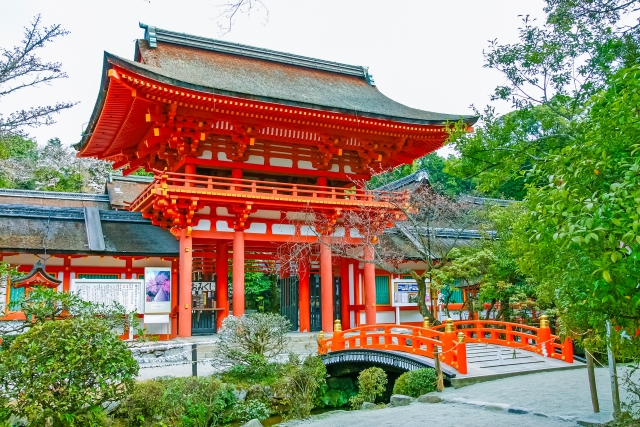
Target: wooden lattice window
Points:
(98, 276)
(382, 290)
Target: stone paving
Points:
(547, 399)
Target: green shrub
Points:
(248, 410)
(61, 373)
(257, 370)
(241, 338)
(416, 383)
(302, 384)
(144, 402)
(196, 402)
(371, 384)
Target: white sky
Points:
(424, 53)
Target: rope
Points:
(170, 346)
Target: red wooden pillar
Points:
(304, 296)
(369, 286)
(186, 270)
(66, 274)
(174, 291)
(344, 293)
(222, 282)
(326, 288)
(128, 265)
(238, 273)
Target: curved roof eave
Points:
(97, 109)
(141, 70)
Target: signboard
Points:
(126, 292)
(405, 293)
(157, 290)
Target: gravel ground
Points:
(428, 415)
(555, 394)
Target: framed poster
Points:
(157, 290)
(126, 292)
(405, 294)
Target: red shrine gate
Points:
(242, 141)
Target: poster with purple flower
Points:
(157, 288)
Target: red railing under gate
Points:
(407, 339)
(536, 339)
(451, 339)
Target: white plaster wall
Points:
(410, 316)
(255, 160)
(96, 261)
(283, 229)
(203, 224)
(222, 226)
(257, 228)
(152, 262)
(204, 211)
(305, 164)
(3, 295)
(265, 214)
(386, 317)
(29, 259)
(220, 211)
(278, 161)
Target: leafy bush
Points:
(257, 370)
(302, 384)
(371, 384)
(144, 402)
(186, 402)
(62, 373)
(416, 383)
(248, 410)
(241, 338)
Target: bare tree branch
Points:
(20, 68)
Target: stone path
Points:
(300, 343)
(487, 362)
(558, 398)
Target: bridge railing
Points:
(536, 339)
(420, 341)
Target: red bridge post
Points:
(544, 337)
(461, 352)
(448, 341)
(337, 341)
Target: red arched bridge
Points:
(462, 346)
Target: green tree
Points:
(588, 217)
(62, 373)
(441, 181)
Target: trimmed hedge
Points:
(416, 383)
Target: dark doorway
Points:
(203, 315)
(314, 303)
(289, 300)
(337, 298)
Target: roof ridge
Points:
(54, 195)
(153, 35)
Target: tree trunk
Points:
(422, 294)
(493, 303)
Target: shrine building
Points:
(242, 141)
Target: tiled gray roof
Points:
(25, 227)
(219, 67)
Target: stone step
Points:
(511, 363)
(492, 359)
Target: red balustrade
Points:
(451, 337)
(408, 339)
(219, 187)
(525, 337)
